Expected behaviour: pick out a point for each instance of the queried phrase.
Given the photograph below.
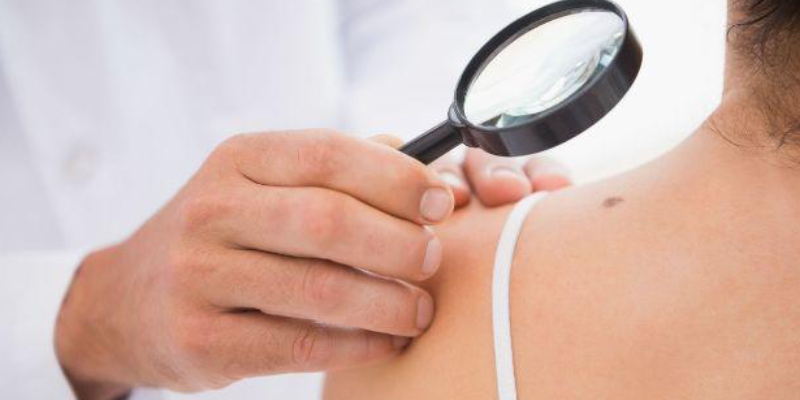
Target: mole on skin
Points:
(612, 202)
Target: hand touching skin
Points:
(284, 253)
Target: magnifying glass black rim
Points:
(624, 67)
(514, 31)
(550, 128)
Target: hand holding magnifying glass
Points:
(260, 242)
(543, 80)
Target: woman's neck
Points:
(754, 130)
(732, 159)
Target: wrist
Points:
(86, 348)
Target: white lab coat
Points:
(107, 107)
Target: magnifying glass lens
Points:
(543, 80)
(543, 67)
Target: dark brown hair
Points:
(768, 35)
(769, 27)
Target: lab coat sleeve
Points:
(31, 290)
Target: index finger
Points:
(373, 173)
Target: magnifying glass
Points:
(541, 81)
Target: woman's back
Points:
(662, 283)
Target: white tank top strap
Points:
(501, 315)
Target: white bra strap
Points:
(501, 310)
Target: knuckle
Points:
(318, 156)
(179, 268)
(229, 147)
(193, 339)
(323, 219)
(182, 262)
(323, 286)
(199, 212)
(236, 141)
(312, 347)
(409, 175)
(187, 271)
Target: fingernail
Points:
(436, 205)
(399, 342)
(433, 257)
(424, 312)
(451, 179)
(505, 172)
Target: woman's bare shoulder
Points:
(651, 289)
(621, 289)
(591, 293)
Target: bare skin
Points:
(686, 289)
(678, 280)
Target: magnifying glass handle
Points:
(434, 143)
